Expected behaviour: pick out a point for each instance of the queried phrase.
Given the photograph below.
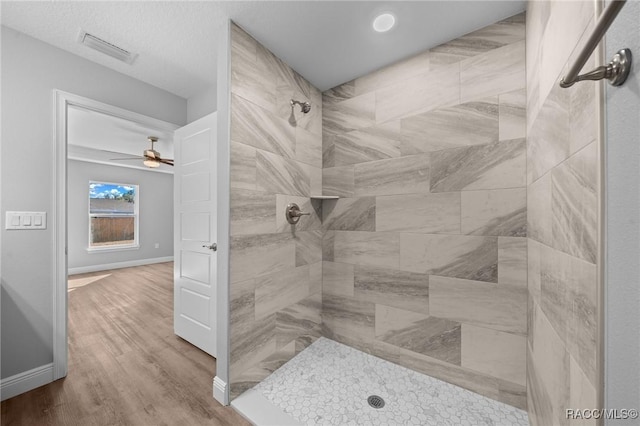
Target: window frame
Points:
(136, 220)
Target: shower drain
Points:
(375, 401)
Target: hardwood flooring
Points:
(126, 367)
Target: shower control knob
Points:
(293, 213)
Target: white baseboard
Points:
(220, 391)
(118, 265)
(26, 381)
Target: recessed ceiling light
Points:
(384, 22)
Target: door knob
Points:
(213, 246)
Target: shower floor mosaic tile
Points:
(329, 383)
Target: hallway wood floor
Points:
(126, 367)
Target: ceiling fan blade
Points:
(166, 161)
(126, 158)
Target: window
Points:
(113, 216)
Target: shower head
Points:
(305, 107)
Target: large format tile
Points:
(339, 93)
(252, 212)
(302, 319)
(404, 290)
(495, 353)
(352, 114)
(367, 248)
(548, 140)
(513, 115)
(575, 204)
(308, 247)
(472, 123)
(493, 166)
(338, 181)
(337, 279)
(253, 255)
(495, 306)
(349, 214)
(499, 212)
(308, 147)
(349, 318)
(461, 256)
(497, 71)
(393, 176)
(512, 261)
(251, 79)
(243, 166)
(428, 213)
(508, 31)
(280, 175)
(424, 92)
(368, 144)
(281, 289)
(539, 211)
(436, 337)
(252, 125)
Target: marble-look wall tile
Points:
(472, 123)
(497, 71)
(539, 210)
(243, 166)
(499, 212)
(369, 144)
(583, 113)
(339, 93)
(328, 239)
(348, 319)
(436, 337)
(313, 222)
(308, 247)
(400, 289)
(513, 118)
(367, 248)
(280, 175)
(548, 139)
(338, 181)
(495, 306)
(308, 147)
(302, 319)
(276, 291)
(495, 353)
(255, 126)
(338, 279)
(493, 166)
(424, 92)
(253, 255)
(581, 392)
(534, 281)
(461, 256)
(428, 213)
(574, 204)
(512, 261)
(393, 176)
(550, 360)
(352, 114)
(391, 74)
(350, 214)
(508, 31)
(250, 78)
(252, 212)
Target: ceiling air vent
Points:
(105, 47)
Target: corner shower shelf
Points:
(324, 197)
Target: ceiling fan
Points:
(151, 157)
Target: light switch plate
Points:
(25, 220)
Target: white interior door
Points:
(195, 258)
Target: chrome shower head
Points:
(305, 107)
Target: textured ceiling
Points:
(327, 42)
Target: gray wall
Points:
(155, 210)
(622, 321)
(31, 70)
(202, 104)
